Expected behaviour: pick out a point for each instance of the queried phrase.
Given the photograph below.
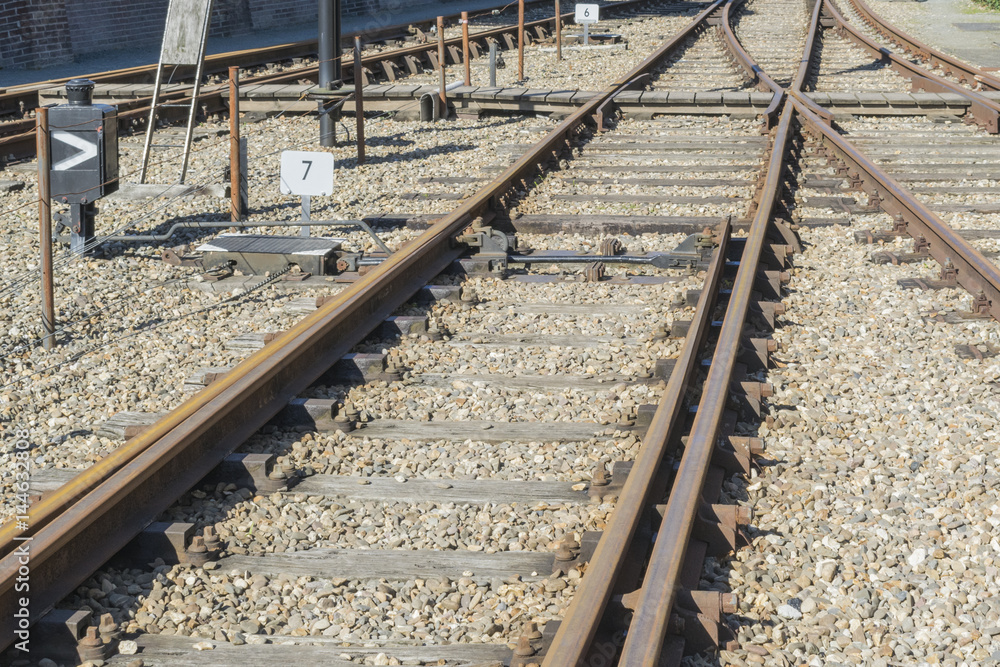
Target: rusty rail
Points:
(648, 630)
(753, 72)
(78, 527)
(19, 141)
(218, 64)
(797, 86)
(964, 72)
(973, 271)
(985, 111)
(644, 486)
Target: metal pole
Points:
(558, 33)
(520, 40)
(465, 48)
(235, 207)
(306, 216)
(45, 228)
(493, 64)
(359, 100)
(444, 82)
(586, 34)
(329, 65)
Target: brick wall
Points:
(33, 33)
(39, 33)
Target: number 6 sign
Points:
(587, 13)
(306, 173)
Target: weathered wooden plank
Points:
(531, 382)
(662, 182)
(595, 309)
(451, 180)
(584, 165)
(481, 431)
(683, 139)
(539, 340)
(965, 208)
(415, 490)
(648, 199)
(607, 279)
(118, 424)
(613, 224)
(394, 564)
(44, 480)
(174, 651)
(721, 147)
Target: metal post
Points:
(493, 64)
(586, 34)
(235, 203)
(329, 65)
(441, 63)
(306, 216)
(45, 228)
(359, 100)
(520, 40)
(558, 33)
(465, 48)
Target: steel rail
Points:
(964, 72)
(799, 82)
(984, 110)
(648, 630)
(973, 271)
(79, 526)
(215, 64)
(756, 75)
(17, 137)
(214, 95)
(576, 633)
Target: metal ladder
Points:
(187, 24)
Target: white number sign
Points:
(587, 13)
(306, 173)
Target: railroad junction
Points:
(664, 339)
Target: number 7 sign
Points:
(306, 173)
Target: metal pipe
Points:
(558, 33)
(520, 40)
(441, 67)
(493, 63)
(329, 65)
(235, 204)
(160, 238)
(45, 228)
(465, 48)
(151, 125)
(359, 100)
(193, 111)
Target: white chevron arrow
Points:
(87, 150)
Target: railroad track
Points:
(17, 137)
(636, 543)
